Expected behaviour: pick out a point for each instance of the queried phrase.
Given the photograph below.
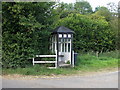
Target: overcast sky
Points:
(94, 3)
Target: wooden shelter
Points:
(62, 38)
(61, 46)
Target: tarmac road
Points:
(104, 80)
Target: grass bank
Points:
(85, 63)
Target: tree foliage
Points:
(83, 7)
(25, 28)
(90, 33)
(103, 11)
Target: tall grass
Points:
(89, 61)
(113, 54)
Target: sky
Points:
(94, 3)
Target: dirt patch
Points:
(80, 73)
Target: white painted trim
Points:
(52, 67)
(55, 43)
(67, 45)
(70, 45)
(45, 55)
(52, 45)
(44, 61)
(56, 58)
(73, 59)
(64, 46)
(33, 61)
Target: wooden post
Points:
(56, 59)
(73, 59)
(97, 53)
(57, 51)
(71, 49)
(33, 61)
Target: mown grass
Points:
(85, 62)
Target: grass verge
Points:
(85, 63)
(38, 70)
(92, 63)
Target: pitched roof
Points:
(62, 29)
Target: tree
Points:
(90, 33)
(0, 33)
(83, 7)
(111, 16)
(118, 34)
(66, 6)
(64, 9)
(103, 11)
(24, 25)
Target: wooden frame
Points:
(43, 56)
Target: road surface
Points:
(104, 80)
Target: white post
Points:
(33, 61)
(55, 44)
(52, 45)
(73, 59)
(56, 59)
